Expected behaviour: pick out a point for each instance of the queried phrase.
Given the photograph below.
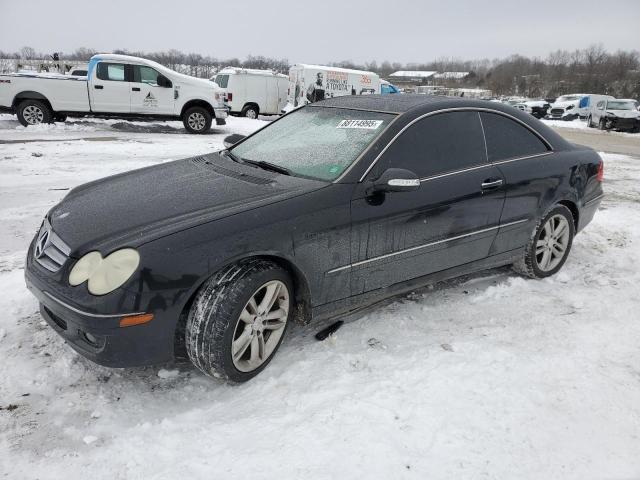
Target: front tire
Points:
(197, 120)
(549, 246)
(589, 122)
(34, 112)
(238, 320)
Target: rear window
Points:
(508, 139)
(222, 80)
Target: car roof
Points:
(411, 106)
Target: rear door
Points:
(110, 88)
(151, 92)
(452, 219)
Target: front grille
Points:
(50, 251)
(557, 111)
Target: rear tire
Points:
(197, 120)
(549, 246)
(239, 319)
(250, 111)
(34, 112)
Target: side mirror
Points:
(232, 139)
(164, 82)
(396, 180)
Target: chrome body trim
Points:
(418, 247)
(594, 200)
(87, 314)
(458, 109)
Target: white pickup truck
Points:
(117, 86)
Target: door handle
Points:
(136, 89)
(98, 87)
(491, 184)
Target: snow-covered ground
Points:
(489, 376)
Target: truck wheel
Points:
(601, 124)
(589, 123)
(197, 120)
(549, 246)
(238, 320)
(34, 112)
(250, 111)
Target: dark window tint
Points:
(441, 143)
(111, 71)
(508, 139)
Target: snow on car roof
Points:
(413, 73)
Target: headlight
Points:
(569, 107)
(104, 275)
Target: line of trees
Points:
(589, 70)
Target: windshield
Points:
(612, 105)
(316, 142)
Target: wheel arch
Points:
(573, 208)
(197, 103)
(301, 294)
(30, 95)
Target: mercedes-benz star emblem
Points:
(42, 243)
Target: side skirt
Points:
(363, 300)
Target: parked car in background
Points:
(79, 71)
(588, 101)
(387, 88)
(615, 115)
(333, 207)
(312, 83)
(250, 92)
(537, 108)
(565, 107)
(116, 86)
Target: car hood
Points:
(139, 206)
(624, 113)
(565, 104)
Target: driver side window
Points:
(439, 144)
(144, 74)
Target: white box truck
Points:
(311, 83)
(116, 86)
(251, 92)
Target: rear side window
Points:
(438, 144)
(508, 139)
(222, 80)
(110, 71)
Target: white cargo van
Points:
(310, 83)
(252, 92)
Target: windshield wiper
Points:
(268, 166)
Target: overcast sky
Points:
(323, 31)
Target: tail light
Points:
(600, 176)
(229, 96)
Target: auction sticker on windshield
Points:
(365, 124)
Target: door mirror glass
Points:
(164, 82)
(231, 140)
(396, 180)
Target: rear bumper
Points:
(588, 211)
(221, 114)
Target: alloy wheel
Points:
(552, 243)
(260, 326)
(196, 121)
(33, 115)
(252, 114)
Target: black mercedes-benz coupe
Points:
(333, 207)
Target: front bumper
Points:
(221, 114)
(98, 336)
(617, 123)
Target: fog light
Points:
(90, 339)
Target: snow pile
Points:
(488, 376)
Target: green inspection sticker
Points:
(334, 169)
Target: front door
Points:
(151, 92)
(450, 220)
(110, 92)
